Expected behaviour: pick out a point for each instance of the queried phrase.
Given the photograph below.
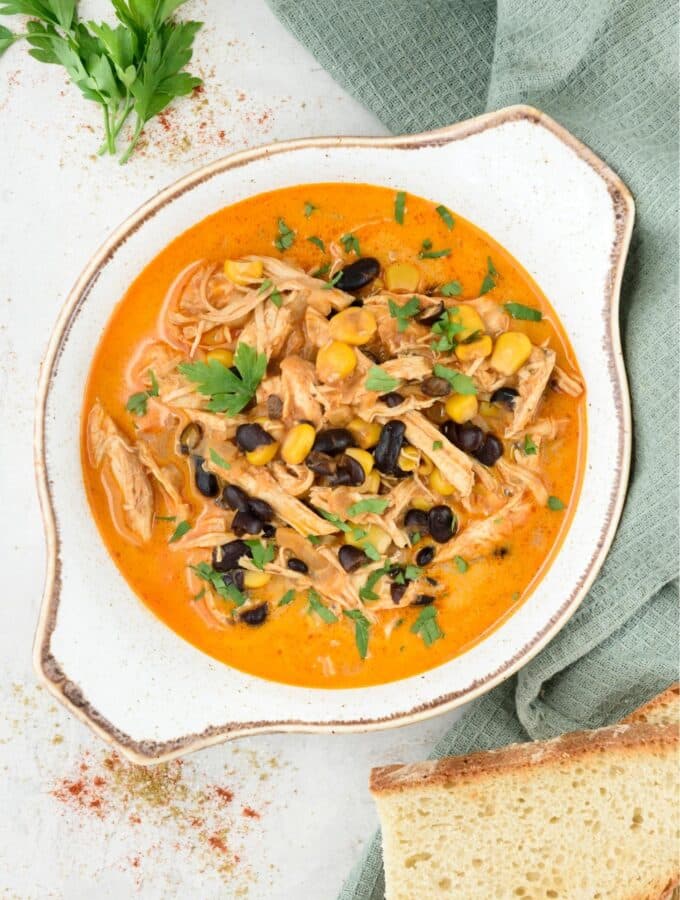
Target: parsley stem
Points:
(133, 143)
(110, 144)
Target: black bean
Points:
(256, 615)
(450, 431)
(397, 591)
(332, 441)
(392, 399)
(274, 406)
(261, 509)
(349, 471)
(250, 437)
(235, 577)
(268, 530)
(416, 518)
(351, 558)
(227, 556)
(501, 552)
(389, 447)
(320, 463)
(442, 523)
(246, 523)
(190, 438)
(425, 556)
(431, 314)
(437, 413)
(423, 600)
(235, 497)
(432, 581)
(297, 565)
(505, 396)
(490, 451)
(435, 387)
(358, 274)
(469, 438)
(206, 483)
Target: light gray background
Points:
(58, 202)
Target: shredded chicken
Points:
(298, 379)
(454, 465)
(481, 535)
(532, 380)
(521, 478)
(567, 384)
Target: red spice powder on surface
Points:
(250, 813)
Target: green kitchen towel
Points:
(607, 70)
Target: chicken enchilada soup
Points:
(333, 435)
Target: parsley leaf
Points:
(448, 328)
(262, 553)
(287, 598)
(317, 606)
(446, 216)
(137, 403)
(334, 280)
(317, 242)
(334, 520)
(461, 384)
(7, 38)
(461, 565)
(227, 391)
(322, 270)
(314, 539)
(361, 629)
(520, 311)
(399, 207)
(275, 296)
(412, 573)
(379, 380)
(530, 449)
(180, 531)
(403, 313)
(370, 550)
(451, 289)
(351, 243)
(215, 579)
(415, 537)
(219, 460)
(427, 627)
(489, 282)
(555, 504)
(285, 238)
(426, 251)
(309, 209)
(370, 505)
(437, 445)
(366, 591)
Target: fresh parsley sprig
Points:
(427, 627)
(136, 403)
(403, 314)
(228, 391)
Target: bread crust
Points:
(663, 702)
(629, 739)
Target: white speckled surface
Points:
(57, 204)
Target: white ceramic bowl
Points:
(557, 208)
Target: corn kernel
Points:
(256, 579)
(226, 357)
(423, 503)
(512, 350)
(409, 459)
(488, 409)
(469, 318)
(462, 407)
(375, 535)
(363, 457)
(440, 485)
(297, 443)
(335, 361)
(366, 434)
(426, 465)
(354, 325)
(372, 483)
(213, 337)
(402, 276)
(475, 349)
(243, 271)
(263, 454)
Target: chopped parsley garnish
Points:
(334, 520)
(322, 270)
(403, 313)
(366, 591)
(461, 384)
(287, 598)
(361, 629)
(309, 209)
(137, 402)
(461, 565)
(415, 537)
(381, 381)
(399, 207)
(489, 282)
(285, 238)
(437, 445)
(451, 289)
(530, 449)
(199, 595)
(228, 391)
(426, 251)
(447, 329)
(314, 539)
(165, 518)
(370, 505)
(370, 550)
(446, 216)
(262, 553)
(180, 531)
(334, 280)
(427, 627)
(215, 579)
(219, 460)
(317, 242)
(555, 504)
(351, 243)
(412, 573)
(275, 295)
(316, 605)
(520, 311)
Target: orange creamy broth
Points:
(291, 645)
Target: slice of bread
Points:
(664, 709)
(587, 816)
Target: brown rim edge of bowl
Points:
(151, 752)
